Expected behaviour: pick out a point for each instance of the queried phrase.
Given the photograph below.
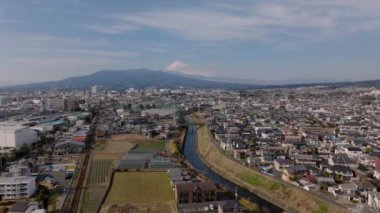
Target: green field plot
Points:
(92, 198)
(140, 187)
(156, 146)
(100, 171)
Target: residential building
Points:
(18, 187)
(293, 173)
(374, 200)
(195, 192)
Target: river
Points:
(191, 154)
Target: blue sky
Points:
(264, 40)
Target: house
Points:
(307, 160)
(343, 160)
(229, 206)
(348, 188)
(267, 155)
(364, 187)
(374, 200)
(226, 144)
(345, 172)
(294, 173)
(353, 151)
(240, 149)
(281, 164)
(325, 180)
(254, 160)
(336, 193)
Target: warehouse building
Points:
(14, 136)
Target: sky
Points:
(277, 40)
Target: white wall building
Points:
(94, 89)
(14, 136)
(17, 187)
(4, 100)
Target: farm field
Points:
(113, 150)
(100, 171)
(143, 187)
(130, 138)
(158, 146)
(92, 198)
(105, 156)
(119, 144)
(162, 207)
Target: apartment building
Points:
(18, 187)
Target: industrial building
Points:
(14, 136)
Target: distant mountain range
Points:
(143, 78)
(136, 78)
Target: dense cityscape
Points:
(72, 150)
(178, 106)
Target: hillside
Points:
(143, 78)
(137, 78)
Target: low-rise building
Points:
(281, 164)
(294, 173)
(18, 187)
(195, 192)
(374, 200)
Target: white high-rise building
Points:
(14, 136)
(94, 89)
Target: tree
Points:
(254, 142)
(324, 187)
(181, 120)
(338, 178)
(368, 150)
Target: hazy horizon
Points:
(280, 40)
(211, 78)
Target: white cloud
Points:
(264, 20)
(112, 29)
(184, 68)
(51, 57)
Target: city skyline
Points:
(270, 41)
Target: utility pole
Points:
(236, 194)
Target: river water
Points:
(191, 154)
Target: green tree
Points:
(338, 178)
(181, 121)
(368, 150)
